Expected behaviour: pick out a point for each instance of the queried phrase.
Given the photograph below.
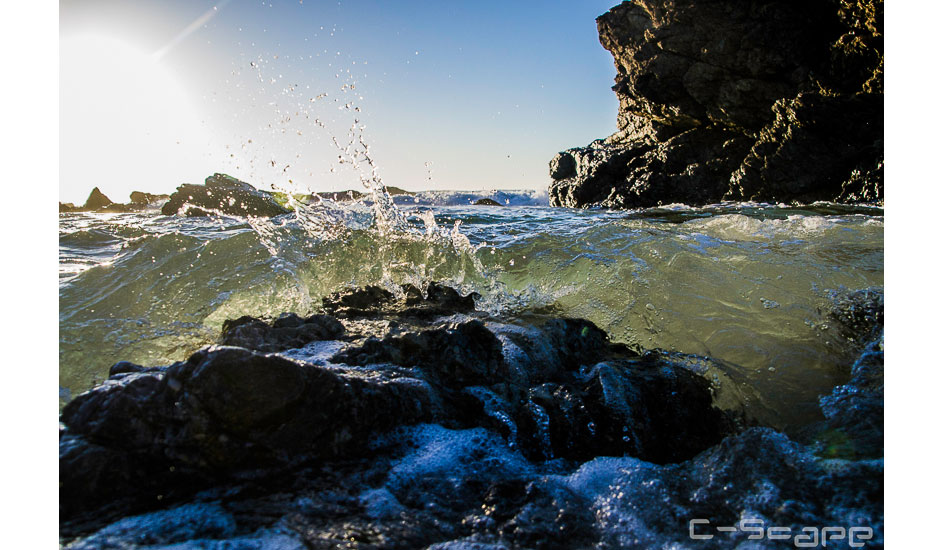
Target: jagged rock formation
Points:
(144, 199)
(736, 100)
(265, 442)
(554, 387)
(99, 202)
(222, 194)
(96, 200)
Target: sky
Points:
(448, 95)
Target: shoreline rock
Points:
(99, 202)
(753, 100)
(222, 194)
(316, 389)
(410, 419)
(486, 202)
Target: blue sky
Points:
(452, 95)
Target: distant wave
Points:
(514, 197)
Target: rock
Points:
(855, 411)
(486, 202)
(226, 410)
(96, 200)
(144, 199)
(417, 357)
(286, 332)
(750, 100)
(222, 194)
(436, 425)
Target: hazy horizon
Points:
(451, 97)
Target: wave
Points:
(538, 197)
(751, 288)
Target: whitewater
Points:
(750, 285)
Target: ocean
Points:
(751, 285)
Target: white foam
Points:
(318, 352)
(441, 453)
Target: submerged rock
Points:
(750, 100)
(222, 194)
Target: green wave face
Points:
(748, 285)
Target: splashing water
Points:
(152, 289)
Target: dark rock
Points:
(858, 315)
(222, 194)
(538, 420)
(144, 199)
(96, 200)
(372, 301)
(750, 100)
(458, 355)
(486, 202)
(286, 332)
(370, 297)
(245, 411)
(224, 411)
(125, 367)
(817, 148)
(855, 411)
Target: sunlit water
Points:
(748, 285)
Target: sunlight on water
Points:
(749, 285)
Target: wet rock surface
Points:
(144, 199)
(751, 100)
(222, 194)
(406, 418)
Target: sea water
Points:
(748, 285)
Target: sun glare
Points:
(126, 122)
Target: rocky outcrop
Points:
(222, 194)
(96, 200)
(411, 420)
(144, 199)
(302, 389)
(750, 100)
(487, 202)
(99, 202)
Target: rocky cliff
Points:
(736, 100)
